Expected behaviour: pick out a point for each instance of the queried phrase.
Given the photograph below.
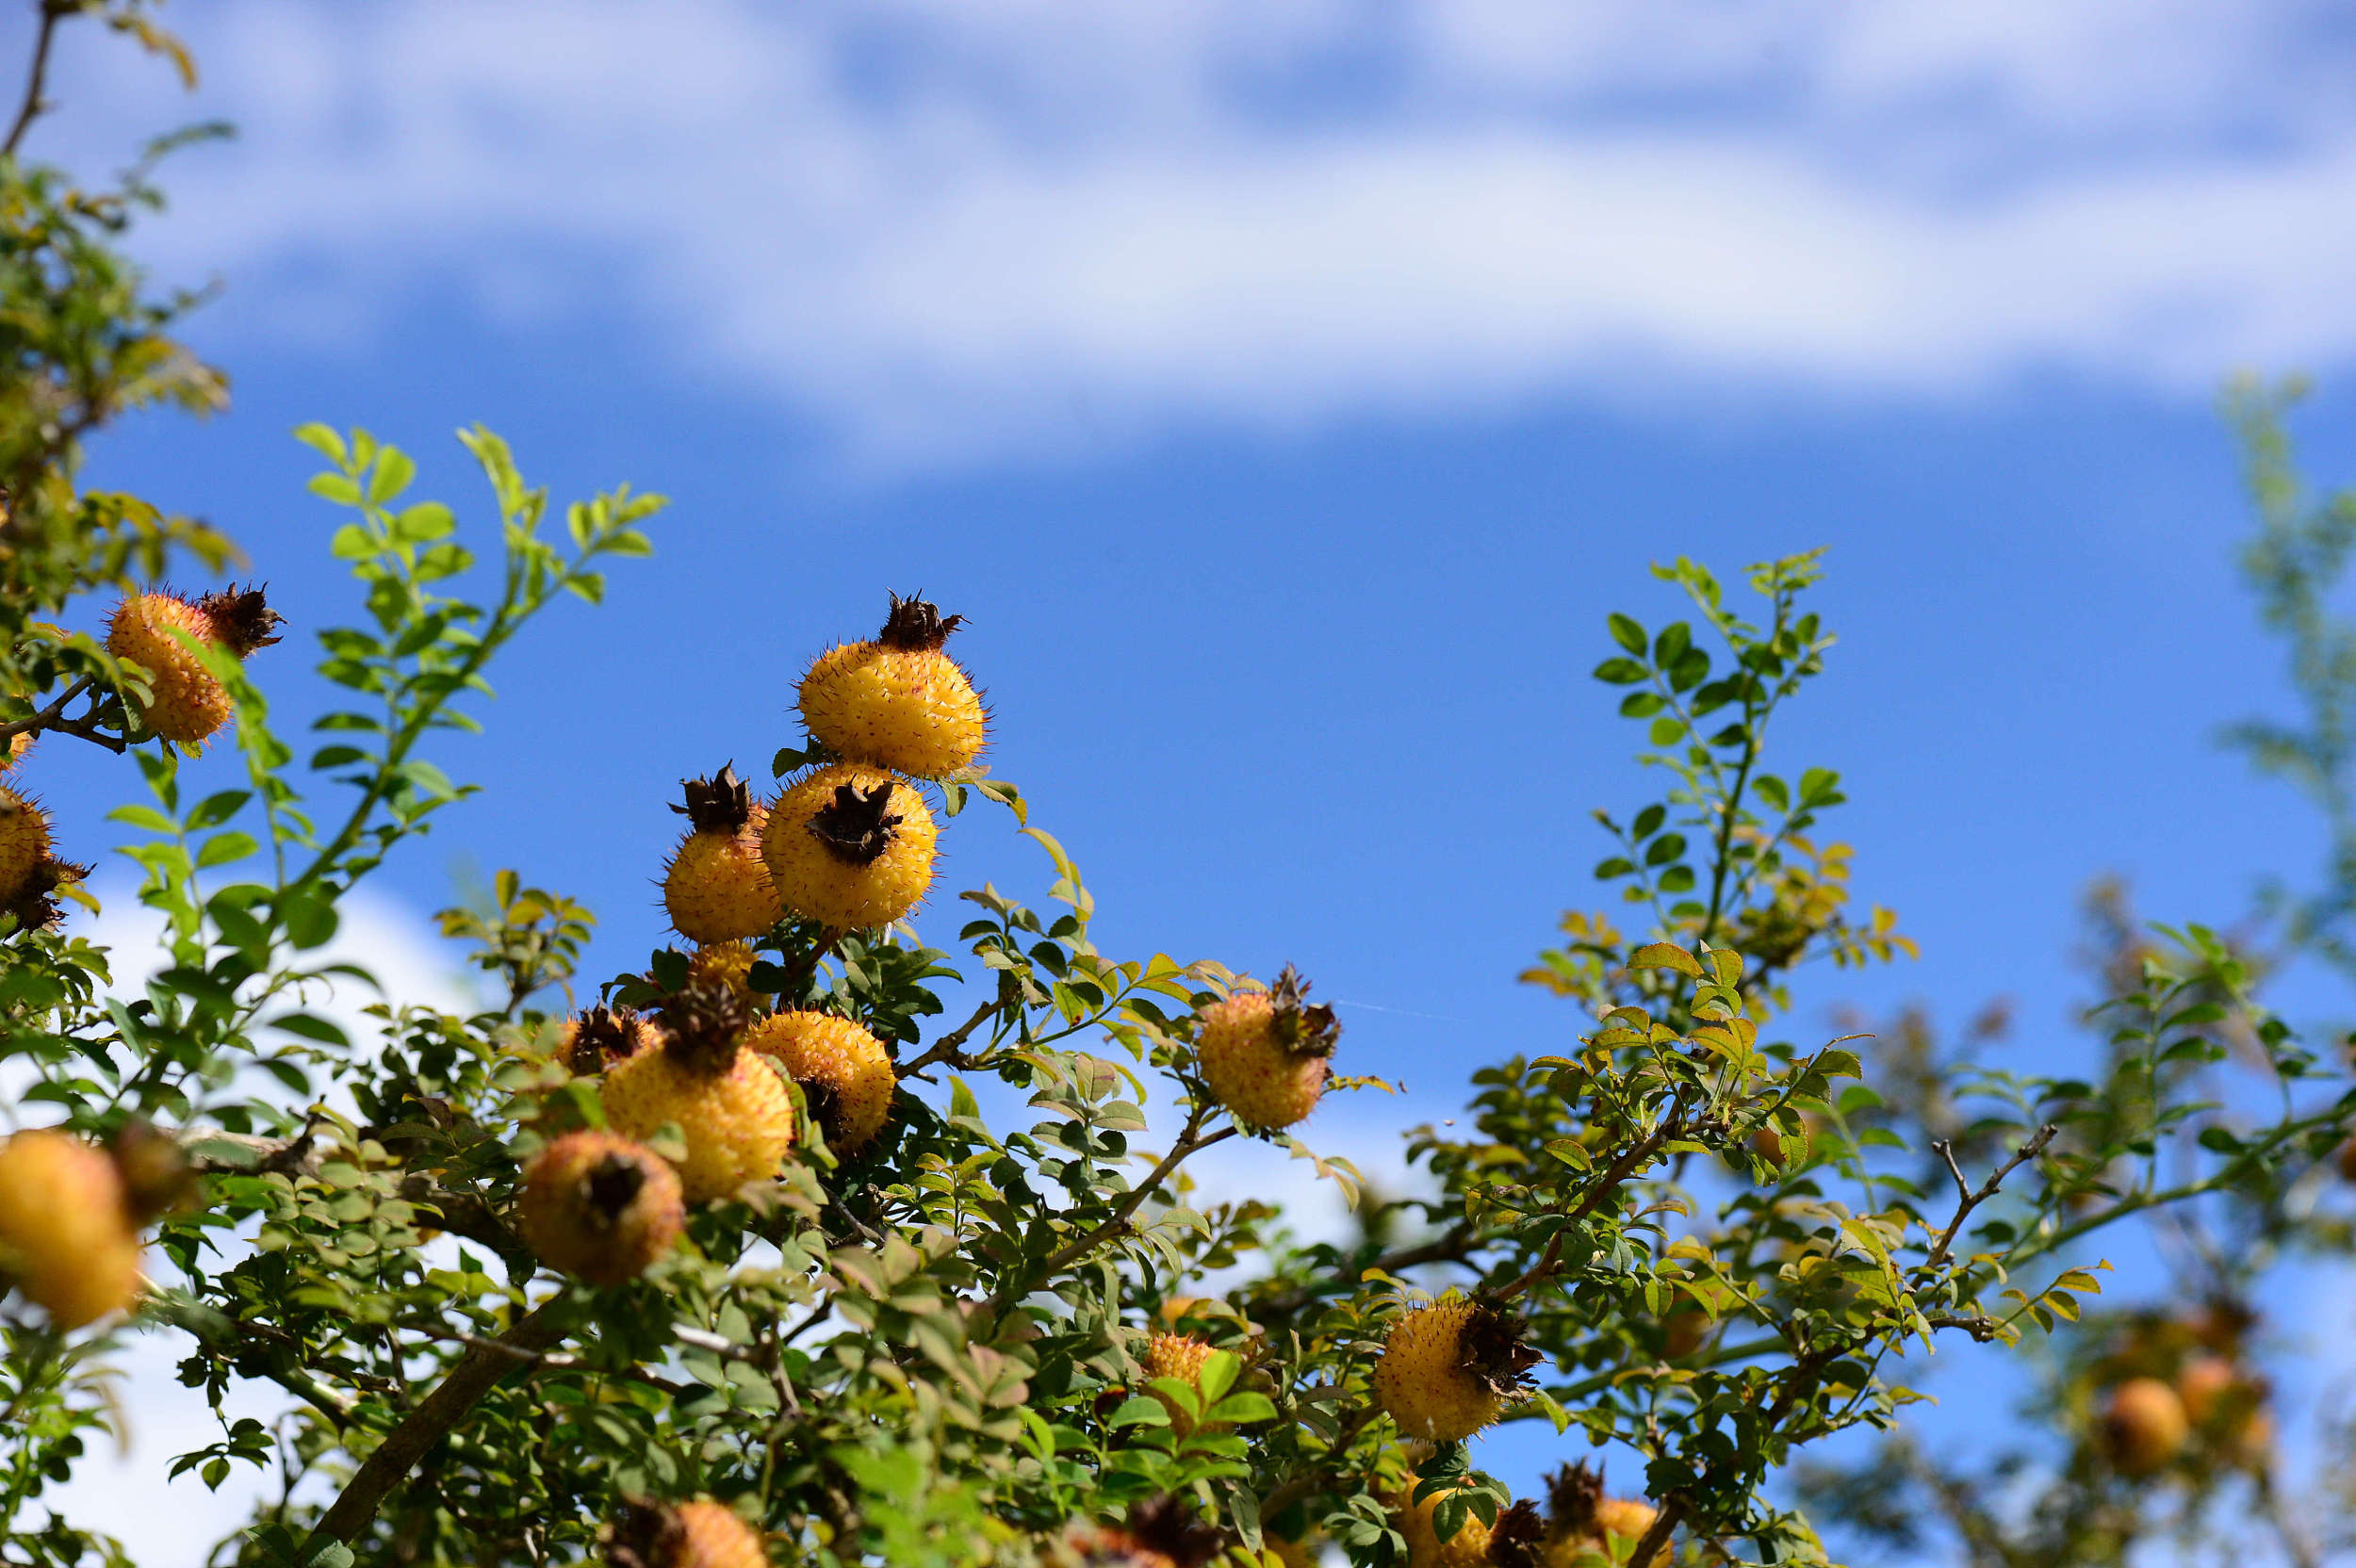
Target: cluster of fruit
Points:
(2178, 1394)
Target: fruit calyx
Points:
(241, 618)
(1300, 1028)
(604, 1036)
(613, 1184)
(1164, 1525)
(1513, 1540)
(856, 826)
(646, 1534)
(1573, 1493)
(916, 624)
(720, 803)
(157, 1176)
(35, 906)
(703, 1024)
(826, 1108)
(1494, 1352)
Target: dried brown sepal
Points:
(242, 618)
(157, 1178)
(1514, 1540)
(35, 906)
(826, 1108)
(720, 803)
(644, 1534)
(703, 1024)
(613, 1184)
(1164, 1524)
(855, 826)
(1496, 1353)
(1300, 1028)
(916, 624)
(1572, 1494)
(605, 1036)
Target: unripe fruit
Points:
(899, 701)
(717, 886)
(2143, 1426)
(846, 1076)
(727, 1103)
(66, 1237)
(850, 847)
(1179, 1357)
(701, 1534)
(29, 873)
(184, 702)
(599, 1207)
(1264, 1053)
(1449, 1369)
(594, 1040)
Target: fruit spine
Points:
(717, 886)
(186, 702)
(700, 1534)
(29, 873)
(850, 847)
(897, 701)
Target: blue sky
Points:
(1286, 393)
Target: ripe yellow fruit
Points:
(727, 1103)
(1449, 1369)
(846, 1076)
(16, 750)
(1582, 1523)
(66, 1237)
(850, 847)
(899, 701)
(1264, 1053)
(1179, 1357)
(728, 964)
(594, 1040)
(1468, 1548)
(599, 1207)
(701, 1534)
(2144, 1425)
(717, 886)
(29, 873)
(184, 702)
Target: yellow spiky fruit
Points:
(66, 1237)
(599, 1207)
(727, 1103)
(1264, 1053)
(1159, 1532)
(1179, 1357)
(846, 1076)
(850, 847)
(2144, 1425)
(186, 702)
(1468, 1548)
(24, 843)
(701, 1534)
(898, 701)
(1450, 1368)
(1583, 1523)
(717, 886)
(728, 964)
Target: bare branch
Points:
(52, 12)
(1969, 1199)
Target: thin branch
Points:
(434, 1417)
(52, 12)
(53, 718)
(946, 1048)
(1664, 1524)
(1118, 1222)
(555, 1361)
(1609, 1184)
(1968, 1199)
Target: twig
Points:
(1618, 1171)
(946, 1048)
(434, 1418)
(1451, 1246)
(53, 718)
(555, 1361)
(52, 12)
(1968, 1199)
(1071, 1253)
(1664, 1524)
(1302, 1485)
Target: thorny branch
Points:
(1968, 1200)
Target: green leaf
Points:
(1138, 1411)
(322, 439)
(355, 542)
(1628, 634)
(143, 816)
(393, 471)
(337, 488)
(1219, 1370)
(1621, 672)
(311, 1027)
(214, 809)
(423, 523)
(1665, 955)
(223, 848)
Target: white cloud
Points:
(938, 229)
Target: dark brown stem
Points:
(1664, 1524)
(1617, 1172)
(946, 1048)
(1967, 1199)
(434, 1418)
(52, 12)
(53, 717)
(1071, 1253)
(799, 975)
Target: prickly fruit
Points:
(2144, 1425)
(1583, 1522)
(186, 703)
(1159, 1533)
(599, 1207)
(850, 847)
(1180, 1358)
(594, 1040)
(700, 1534)
(1449, 1369)
(1264, 1053)
(716, 888)
(728, 964)
(846, 1076)
(29, 875)
(66, 1236)
(729, 1104)
(899, 701)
